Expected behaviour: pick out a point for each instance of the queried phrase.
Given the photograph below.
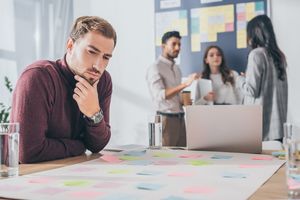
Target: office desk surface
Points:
(274, 188)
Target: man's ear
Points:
(70, 44)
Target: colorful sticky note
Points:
(149, 172)
(119, 171)
(148, 186)
(221, 157)
(199, 190)
(135, 153)
(140, 162)
(129, 158)
(278, 153)
(110, 158)
(295, 177)
(76, 183)
(264, 157)
(190, 156)
(233, 175)
(293, 184)
(163, 155)
(42, 180)
(174, 198)
(199, 162)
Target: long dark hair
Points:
(260, 33)
(224, 70)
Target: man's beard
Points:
(173, 55)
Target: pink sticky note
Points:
(110, 158)
(199, 190)
(292, 184)
(262, 158)
(241, 16)
(181, 174)
(86, 194)
(43, 180)
(190, 156)
(229, 27)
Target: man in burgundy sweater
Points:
(63, 106)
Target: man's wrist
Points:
(97, 117)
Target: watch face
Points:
(97, 117)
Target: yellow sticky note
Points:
(241, 39)
(196, 42)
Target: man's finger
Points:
(96, 83)
(84, 82)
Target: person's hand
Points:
(210, 96)
(190, 79)
(199, 75)
(86, 96)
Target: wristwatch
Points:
(97, 117)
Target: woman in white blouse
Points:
(223, 80)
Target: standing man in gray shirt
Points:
(164, 82)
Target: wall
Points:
(134, 22)
(286, 17)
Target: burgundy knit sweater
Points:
(51, 124)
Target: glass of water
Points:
(292, 148)
(155, 131)
(9, 149)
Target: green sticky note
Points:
(129, 158)
(76, 183)
(199, 162)
(119, 171)
(163, 155)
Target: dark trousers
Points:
(173, 131)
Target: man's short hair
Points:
(85, 24)
(168, 35)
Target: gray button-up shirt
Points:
(161, 75)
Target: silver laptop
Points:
(228, 128)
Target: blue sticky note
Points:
(182, 14)
(135, 153)
(296, 177)
(174, 198)
(221, 157)
(149, 172)
(259, 5)
(278, 153)
(195, 25)
(233, 175)
(148, 186)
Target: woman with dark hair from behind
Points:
(222, 77)
(265, 81)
